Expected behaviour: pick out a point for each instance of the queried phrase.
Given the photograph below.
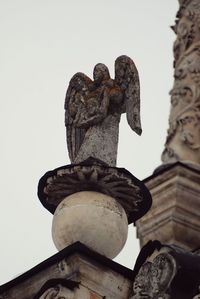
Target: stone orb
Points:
(95, 219)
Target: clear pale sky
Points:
(43, 43)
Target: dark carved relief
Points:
(154, 278)
(57, 292)
(57, 289)
(183, 140)
(93, 110)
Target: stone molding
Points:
(174, 215)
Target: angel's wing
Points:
(75, 96)
(126, 76)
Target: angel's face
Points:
(101, 73)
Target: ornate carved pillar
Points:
(183, 138)
(174, 186)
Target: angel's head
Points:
(100, 73)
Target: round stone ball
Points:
(95, 219)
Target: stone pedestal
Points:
(174, 215)
(93, 203)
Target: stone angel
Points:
(93, 109)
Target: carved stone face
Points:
(101, 73)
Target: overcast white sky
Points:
(43, 43)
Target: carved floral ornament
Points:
(92, 175)
(154, 278)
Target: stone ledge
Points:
(75, 263)
(173, 217)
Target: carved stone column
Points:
(174, 215)
(183, 139)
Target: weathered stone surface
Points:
(183, 140)
(95, 219)
(174, 215)
(93, 110)
(76, 272)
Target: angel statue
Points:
(93, 109)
